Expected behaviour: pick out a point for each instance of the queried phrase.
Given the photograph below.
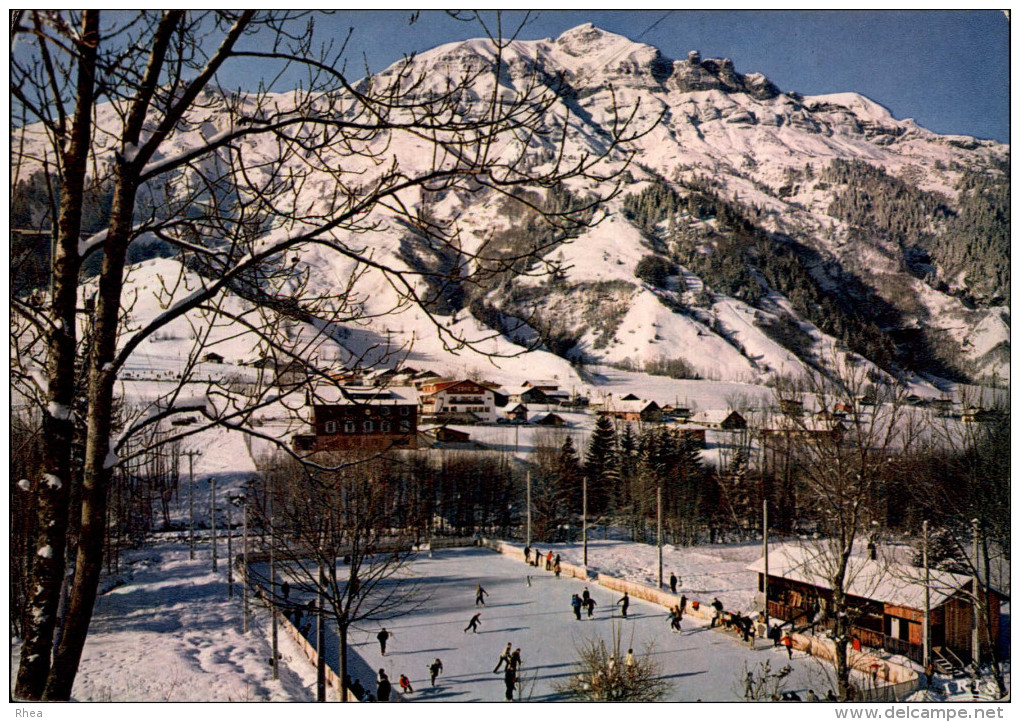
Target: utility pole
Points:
(230, 552)
(191, 454)
(658, 524)
(212, 517)
(765, 551)
(925, 623)
(975, 641)
(527, 487)
(272, 589)
(245, 564)
(320, 639)
(584, 517)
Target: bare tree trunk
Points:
(54, 489)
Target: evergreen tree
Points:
(569, 472)
(600, 466)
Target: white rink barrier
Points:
(517, 552)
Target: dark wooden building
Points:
(362, 418)
(888, 602)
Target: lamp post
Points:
(212, 518)
(925, 623)
(230, 551)
(658, 525)
(245, 568)
(584, 518)
(765, 552)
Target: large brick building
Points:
(361, 418)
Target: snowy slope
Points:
(704, 119)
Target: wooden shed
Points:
(888, 601)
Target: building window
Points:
(403, 411)
(349, 427)
(384, 427)
(330, 427)
(385, 411)
(368, 427)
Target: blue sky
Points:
(947, 70)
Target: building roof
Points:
(713, 416)
(627, 405)
(332, 395)
(879, 581)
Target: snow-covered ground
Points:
(165, 630)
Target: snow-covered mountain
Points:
(758, 231)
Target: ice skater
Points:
(527, 555)
(515, 659)
(717, 615)
(625, 602)
(674, 619)
(590, 606)
(787, 642)
(510, 680)
(473, 624)
(672, 583)
(383, 636)
(405, 684)
(504, 658)
(575, 602)
(479, 594)
(435, 669)
(382, 692)
(683, 605)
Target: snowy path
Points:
(170, 633)
(700, 664)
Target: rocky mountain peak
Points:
(696, 73)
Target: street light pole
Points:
(925, 623)
(765, 552)
(527, 486)
(212, 518)
(584, 517)
(230, 552)
(245, 564)
(975, 642)
(658, 524)
(272, 589)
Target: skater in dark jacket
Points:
(515, 660)
(435, 669)
(504, 658)
(382, 692)
(575, 602)
(672, 583)
(625, 601)
(473, 624)
(591, 606)
(585, 596)
(383, 636)
(683, 604)
(357, 690)
(510, 680)
(479, 593)
(527, 555)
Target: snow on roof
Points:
(880, 581)
(629, 406)
(353, 395)
(712, 416)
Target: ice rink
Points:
(700, 664)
